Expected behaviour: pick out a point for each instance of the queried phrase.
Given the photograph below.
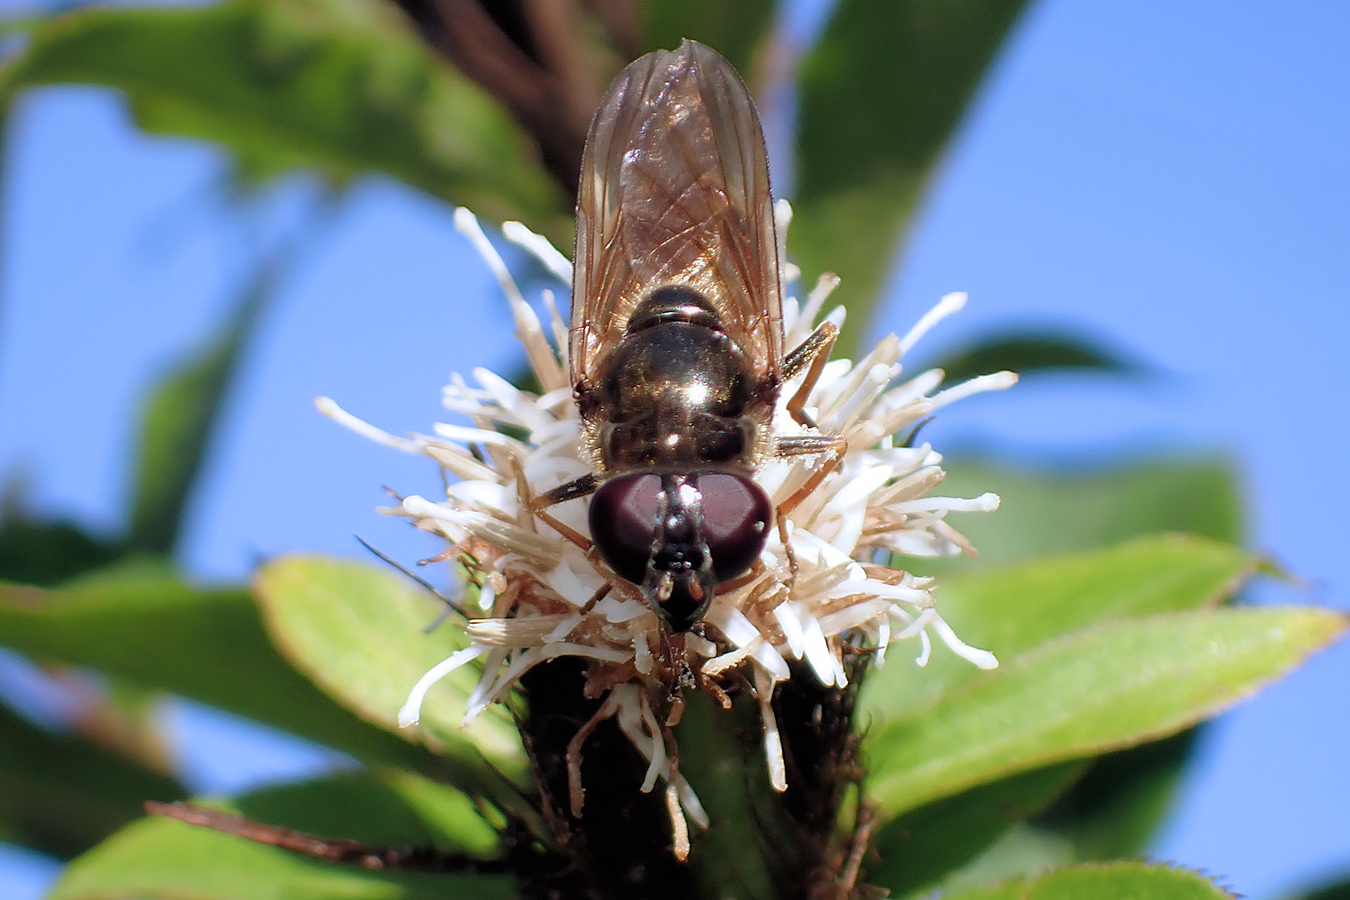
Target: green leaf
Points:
(735, 30)
(1060, 509)
(382, 808)
(61, 795)
(359, 632)
(918, 848)
(1029, 352)
(47, 553)
(1013, 610)
(882, 93)
(1338, 891)
(344, 88)
(1108, 687)
(1110, 881)
(159, 857)
(1022, 852)
(1114, 810)
(158, 632)
(177, 423)
(730, 860)
(1017, 608)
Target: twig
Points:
(367, 856)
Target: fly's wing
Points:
(675, 190)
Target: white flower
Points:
(537, 600)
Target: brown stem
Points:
(367, 856)
(554, 106)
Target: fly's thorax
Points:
(676, 390)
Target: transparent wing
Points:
(675, 190)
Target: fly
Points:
(676, 339)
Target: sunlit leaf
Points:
(343, 88)
(1111, 881)
(61, 795)
(882, 93)
(360, 633)
(1060, 509)
(156, 631)
(1014, 609)
(1107, 687)
(163, 858)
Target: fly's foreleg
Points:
(572, 490)
(831, 449)
(815, 352)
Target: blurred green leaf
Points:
(47, 553)
(1338, 891)
(61, 795)
(881, 95)
(159, 857)
(1111, 686)
(735, 30)
(1114, 810)
(921, 846)
(340, 87)
(1061, 509)
(359, 632)
(158, 632)
(177, 423)
(1110, 881)
(1015, 609)
(1031, 352)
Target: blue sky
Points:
(1170, 178)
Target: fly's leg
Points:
(831, 449)
(575, 490)
(572, 490)
(815, 350)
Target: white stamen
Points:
(330, 409)
(981, 658)
(541, 248)
(411, 711)
(773, 741)
(949, 304)
(998, 381)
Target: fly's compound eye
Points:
(736, 516)
(625, 518)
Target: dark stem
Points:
(529, 56)
(367, 856)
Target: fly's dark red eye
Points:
(624, 517)
(623, 520)
(736, 515)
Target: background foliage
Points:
(348, 88)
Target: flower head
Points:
(543, 596)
